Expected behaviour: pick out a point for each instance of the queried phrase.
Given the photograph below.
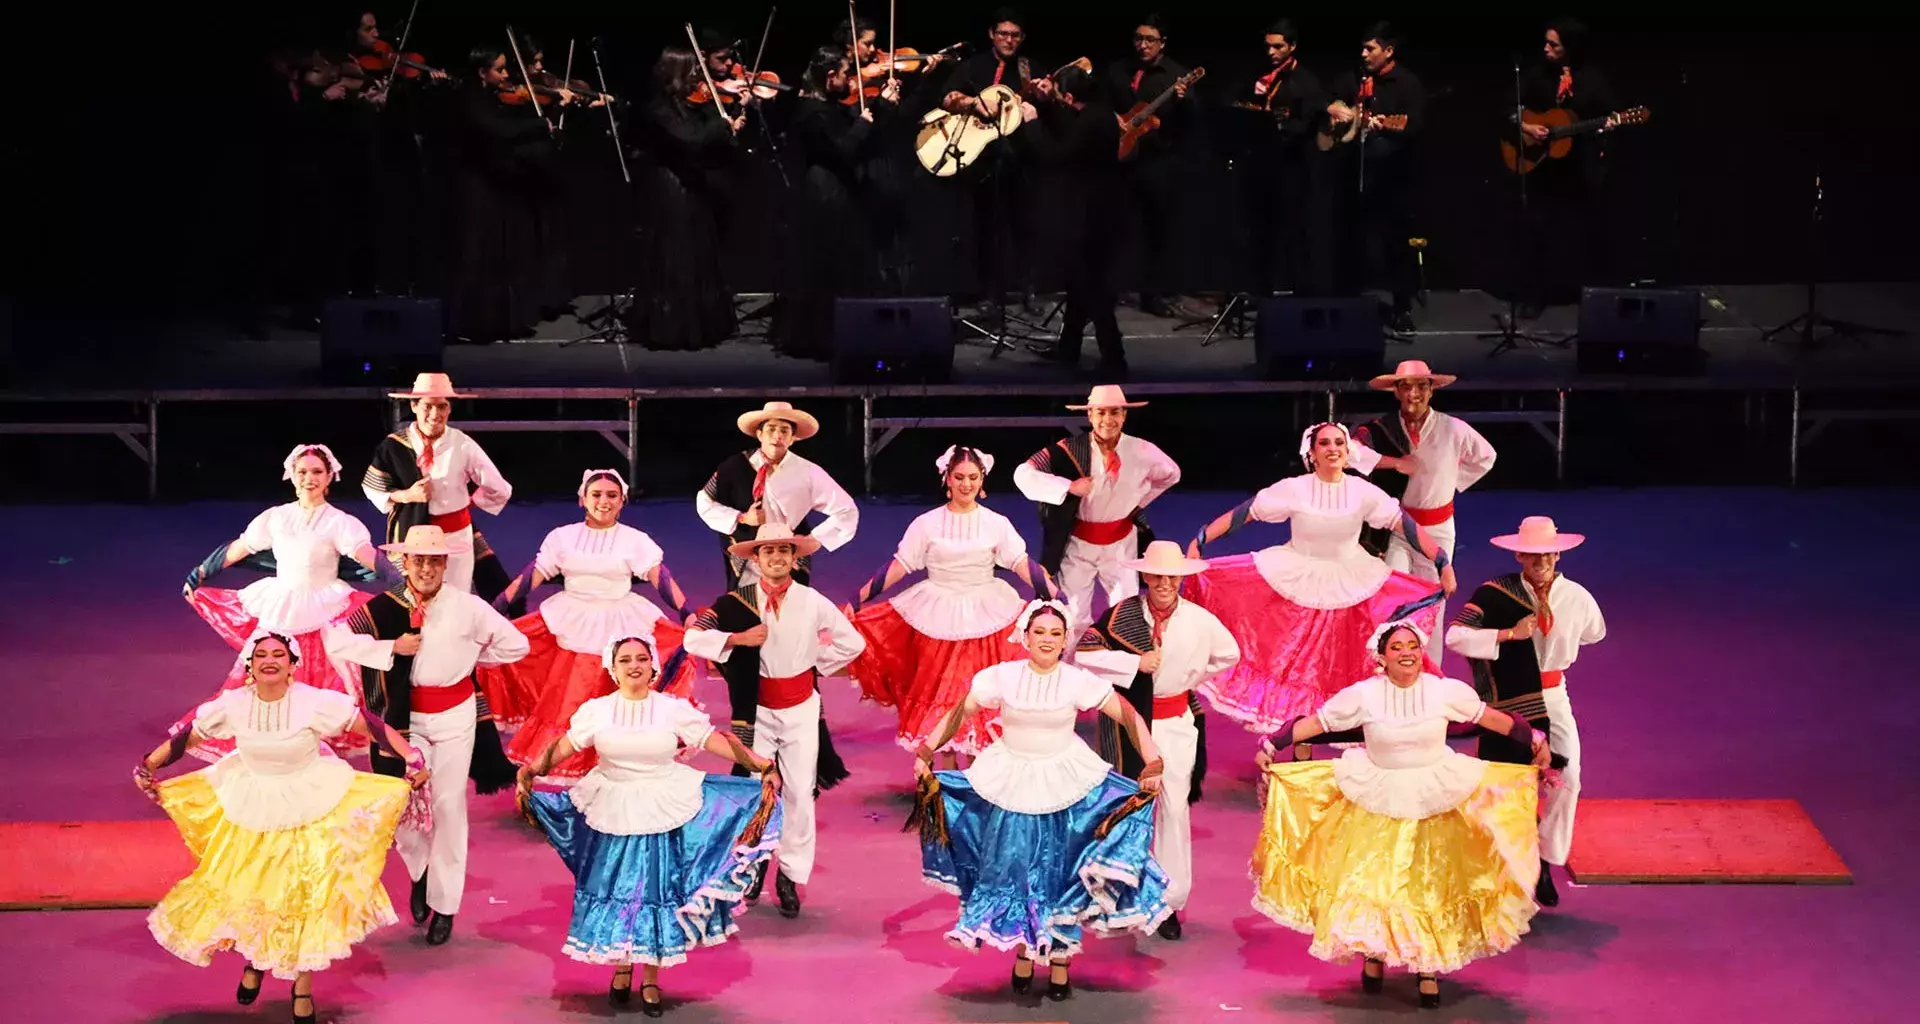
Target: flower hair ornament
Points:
(293, 646)
(945, 461)
(1306, 440)
(613, 648)
(587, 478)
(1019, 634)
(302, 451)
(1373, 642)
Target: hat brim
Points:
(804, 425)
(802, 546)
(430, 394)
(1121, 405)
(1185, 567)
(404, 549)
(1563, 542)
(1386, 381)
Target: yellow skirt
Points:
(1431, 895)
(289, 901)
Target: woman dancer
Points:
(1038, 838)
(661, 852)
(598, 559)
(290, 840)
(925, 645)
(1403, 852)
(304, 544)
(1302, 611)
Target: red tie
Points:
(425, 459)
(775, 593)
(1566, 86)
(1113, 461)
(1136, 80)
(1413, 431)
(760, 480)
(1543, 612)
(1160, 621)
(416, 615)
(998, 70)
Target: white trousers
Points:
(459, 573)
(1556, 821)
(1403, 556)
(1085, 564)
(1179, 742)
(445, 739)
(792, 736)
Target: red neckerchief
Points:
(1413, 429)
(417, 614)
(1366, 83)
(1543, 613)
(1112, 456)
(1268, 80)
(776, 592)
(1160, 621)
(999, 70)
(1566, 85)
(760, 476)
(424, 460)
(1138, 72)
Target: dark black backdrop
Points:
(132, 160)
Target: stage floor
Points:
(61, 356)
(1747, 656)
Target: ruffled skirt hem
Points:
(925, 677)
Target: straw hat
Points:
(430, 385)
(1538, 536)
(1107, 396)
(421, 540)
(804, 425)
(774, 533)
(1164, 558)
(1411, 369)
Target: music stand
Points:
(1510, 336)
(1811, 319)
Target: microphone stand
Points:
(1510, 336)
(1812, 319)
(609, 322)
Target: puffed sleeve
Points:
(985, 688)
(350, 535)
(689, 724)
(1089, 691)
(586, 724)
(1274, 504)
(259, 534)
(213, 719)
(912, 552)
(1459, 702)
(1377, 507)
(546, 561)
(1346, 709)
(332, 712)
(643, 555)
(1010, 549)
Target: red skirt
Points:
(926, 678)
(223, 611)
(540, 692)
(1292, 658)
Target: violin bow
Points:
(567, 77)
(853, 50)
(619, 150)
(754, 76)
(892, 47)
(701, 57)
(513, 42)
(406, 33)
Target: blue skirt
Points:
(652, 899)
(1042, 880)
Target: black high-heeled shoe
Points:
(244, 995)
(1429, 1000)
(1059, 991)
(652, 1007)
(304, 1018)
(1022, 983)
(1373, 982)
(620, 996)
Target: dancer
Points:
(287, 839)
(420, 476)
(1038, 839)
(416, 646)
(773, 640)
(926, 643)
(1439, 455)
(1091, 515)
(1302, 610)
(1403, 829)
(773, 485)
(598, 560)
(661, 852)
(1157, 648)
(306, 544)
(1521, 632)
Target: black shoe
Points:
(440, 930)
(1543, 891)
(759, 882)
(418, 901)
(1401, 322)
(1372, 982)
(1170, 928)
(1059, 991)
(652, 1007)
(244, 995)
(620, 996)
(784, 888)
(1022, 983)
(1429, 1000)
(303, 1018)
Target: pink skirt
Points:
(223, 611)
(1292, 658)
(926, 678)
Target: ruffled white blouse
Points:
(1322, 564)
(305, 591)
(638, 789)
(961, 598)
(1405, 770)
(598, 602)
(279, 775)
(1038, 765)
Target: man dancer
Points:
(420, 476)
(1156, 648)
(1091, 490)
(415, 648)
(772, 485)
(1438, 455)
(773, 639)
(1521, 632)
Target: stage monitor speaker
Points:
(1640, 330)
(1319, 339)
(901, 341)
(379, 341)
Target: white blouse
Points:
(1405, 770)
(638, 788)
(1038, 765)
(598, 602)
(280, 774)
(1322, 564)
(305, 591)
(961, 598)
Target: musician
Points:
(721, 48)
(881, 182)
(1078, 132)
(1279, 179)
(553, 240)
(1154, 174)
(1566, 209)
(1001, 227)
(1377, 174)
(501, 152)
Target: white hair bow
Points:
(300, 451)
(1025, 619)
(588, 476)
(613, 647)
(946, 459)
(1306, 440)
(293, 646)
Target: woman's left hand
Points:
(1150, 785)
(419, 778)
(1542, 755)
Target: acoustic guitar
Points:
(1359, 128)
(948, 143)
(1138, 123)
(1561, 128)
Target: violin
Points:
(385, 59)
(735, 87)
(516, 95)
(904, 60)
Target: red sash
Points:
(1169, 707)
(431, 700)
(454, 521)
(1103, 533)
(1429, 516)
(786, 691)
(1549, 680)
